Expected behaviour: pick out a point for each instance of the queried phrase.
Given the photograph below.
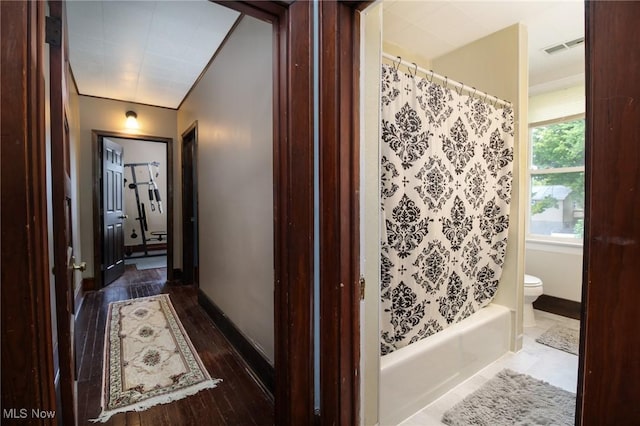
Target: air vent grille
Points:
(564, 46)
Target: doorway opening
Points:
(132, 204)
(190, 205)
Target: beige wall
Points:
(233, 106)
(105, 114)
(498, 65)
(559, 266)
(406, 55)
(557, 104)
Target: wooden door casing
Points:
(609, 369)
(27, 352)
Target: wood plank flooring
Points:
(238, 400)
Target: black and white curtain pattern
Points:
(445, 182)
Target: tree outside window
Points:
(557, 179)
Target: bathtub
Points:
(418, 374)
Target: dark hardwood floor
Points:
(238, 400)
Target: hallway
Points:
(239, 399)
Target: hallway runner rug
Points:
(561, 337)
(148, 357)
(512, 398)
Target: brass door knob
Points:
(81, 267)
(124, 216)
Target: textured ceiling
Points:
(149, 52)
(433, 28)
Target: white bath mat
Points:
(512, 398)
(561, 337)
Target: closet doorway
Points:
(190, 205)
(132, 204)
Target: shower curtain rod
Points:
(461, 86)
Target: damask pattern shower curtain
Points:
(446, 173)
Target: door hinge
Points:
(53, 30)
(362, 286)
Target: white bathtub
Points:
(418, 374)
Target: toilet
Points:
(532, 290)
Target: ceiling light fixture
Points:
(132, 120)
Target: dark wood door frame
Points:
(190, 207)
(61, 202)
(609, 369)
(27, 351)
(339, 182)
(293, 204)
(97, 136)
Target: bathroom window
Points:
(556, 184)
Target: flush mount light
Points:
(132, 120)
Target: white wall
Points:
(498, 65)
(233, 106)
(140, 151)
(559, 266)
(108, 115)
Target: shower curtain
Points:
(445, 183)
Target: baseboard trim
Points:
(558, 306)
(261, 368)
(88, 284)
(139, 248)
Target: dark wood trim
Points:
(96, 138)
(339, 215)
(558, 306)
(129, 103)
(140, 248)
(609, 370)
(27, 352)
(293, 204)
(213, 57)
(258, 364)
(88, 284)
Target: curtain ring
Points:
(415, 71)
(485, 98)
(473, 96)
(461, 89)
(431, 80)
(397, 65)
(446, 82)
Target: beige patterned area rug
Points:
(561, 337)
(512, 398)
(149, 359)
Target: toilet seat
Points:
(531, 281)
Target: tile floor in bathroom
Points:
(540, 361)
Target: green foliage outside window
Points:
(558, 146)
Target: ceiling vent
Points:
(564, 46)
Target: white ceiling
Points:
(149, 52)
(434, 28)
(152, 52)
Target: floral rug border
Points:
(114, 400)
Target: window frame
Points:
(531, 172)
